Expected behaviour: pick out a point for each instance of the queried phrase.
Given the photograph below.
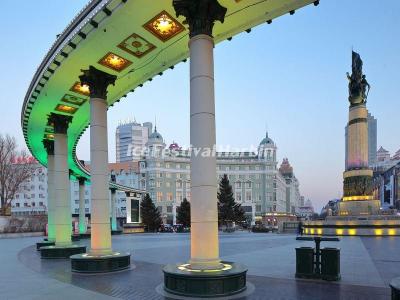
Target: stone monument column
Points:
(98, 81)
(63, 218)
(82, 212)
(357, 178)
(201, 15)
(51, 201)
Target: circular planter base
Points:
(44, 244)
(50, 252)
(86, 263)
(180, 280)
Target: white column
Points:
(174, 213)
(63, 219)
(82, 212)
(253, 214)
(100, 212)
(113, 210)
(204, 212)
(51, 201)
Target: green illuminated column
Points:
(63, 218)
(98, 82)
(113, 210)
(51, 204)
(201, 15)
(82, 213)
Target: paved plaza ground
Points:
(367, 266)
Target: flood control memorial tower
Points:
(357, 179)
(358, 211)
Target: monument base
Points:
(182, 281)
(359, 208)
(86, 263)
(44, 244)
(369, 225)
(51, 252)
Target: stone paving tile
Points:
(270, 258)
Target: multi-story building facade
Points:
(256, 182)
(131, 139)
(387, 179)
(31, 197)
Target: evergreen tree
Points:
(228, 210)
(183, 213)
(150, 215)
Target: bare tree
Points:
(16, 167)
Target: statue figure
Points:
(358, 83)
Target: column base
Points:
(116, 232)
(75, 237)
(181, 280)
(85, 235)
(50, 252)
(395, 287)
(44, 243)
(87, 263)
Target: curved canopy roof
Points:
(133, 39)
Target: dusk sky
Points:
(289, 77)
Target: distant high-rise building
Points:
(372, 140)
(131, 138)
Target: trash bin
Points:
(330, 264)
(305, 262)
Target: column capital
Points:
(200, 14)
(60, 122)
(98, 82)
(49, 146)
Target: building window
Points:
(178, 196)
(33, 204)
(167, 184)
(41, 204)
(169, 209)
(159, 208)
(248, 196)
(238, 197)
(159, 184)
(167, 165)
(188, 195)
(178, 166)
(179, 184)
(248, 185)
(238, 185)
(17, 204)
(159, 196)
(169, 197)
(86, 210)
(258, 208)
